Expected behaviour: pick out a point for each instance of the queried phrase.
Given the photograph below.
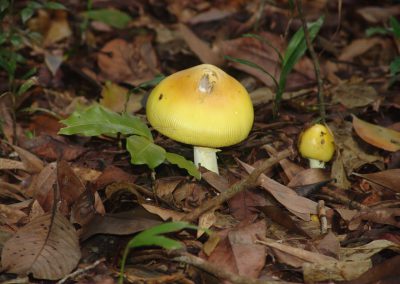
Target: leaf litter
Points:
(68, 201)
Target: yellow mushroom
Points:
(316, 144)
(201, 106)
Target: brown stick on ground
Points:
(244, 184)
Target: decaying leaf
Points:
(381, 137)
(165, 214)
(115, 98)
(389, 178)
(47, 247)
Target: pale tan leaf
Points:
(47, 247)
(115, 96)
(32, 163)
(10, 215)
(358, 47)
(381, 137)
(58, 30)
(206, 220)
(334, 270)
(165, 214)
(365, 252)
(205, 53)
(8, 164)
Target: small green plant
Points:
(153, 237)
(294, 51)
(393, 30)
(97, 120)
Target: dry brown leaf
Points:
(378, 14)
(366, 251)
(215, 180)
(13, 191)
(41, 187)
(308, 176)
(294, 256)
(389, 178)
(8, 164)
(387, 216)
(58, 30)
(205, 53)
(249, 256)
(352, 95)
(381, 137)
(298, 205)
(114, 97)
(358, 47)
(206, 220)
(165, 214)
(32, 163)
(10, 215)
(124, 223)
(47, 247)
(132, 63)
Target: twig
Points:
(244, 184)
(322, 216)
(317, 68)
(218, 271)
(80, 271)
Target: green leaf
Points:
(4, 4)
(395, 66)
(294, 51)
(97, 120)
(16, 40)
(394, 23)
(111, 17)
(183, 164)
(54, 6)
(27, 85)
(376, 31)
(26, 14)
(3, 38)
(151, 237)
(144, 151)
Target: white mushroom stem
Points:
(316, 164)
(206, 157)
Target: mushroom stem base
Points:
(316, 164)
(206, 157)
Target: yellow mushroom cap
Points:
(317, 143)
(201, 106)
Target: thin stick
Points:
(317, 68)
(81, 271)
(218, 271)
(244, 184)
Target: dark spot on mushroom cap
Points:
(160, 97)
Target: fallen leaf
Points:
(353, 95)
(165, 214)
(387, 216)
(58, 28)
(206, 220)
(389, 178)
(308, 176)
(249, 256)
(358, 47)
(205, 53)
(378, 14)
(8, 164)
(114, 97)
(298, 205)
(32, 163)
(10, 215)
(47, 247)
(124, 223)
(381, 137)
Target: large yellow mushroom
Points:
(201, 106)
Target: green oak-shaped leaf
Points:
(144, 151)
(97, 120)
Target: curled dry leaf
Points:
(165, 214)
(47, 247)
(381, 137)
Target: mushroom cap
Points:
(201, 106)
(317, 143)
